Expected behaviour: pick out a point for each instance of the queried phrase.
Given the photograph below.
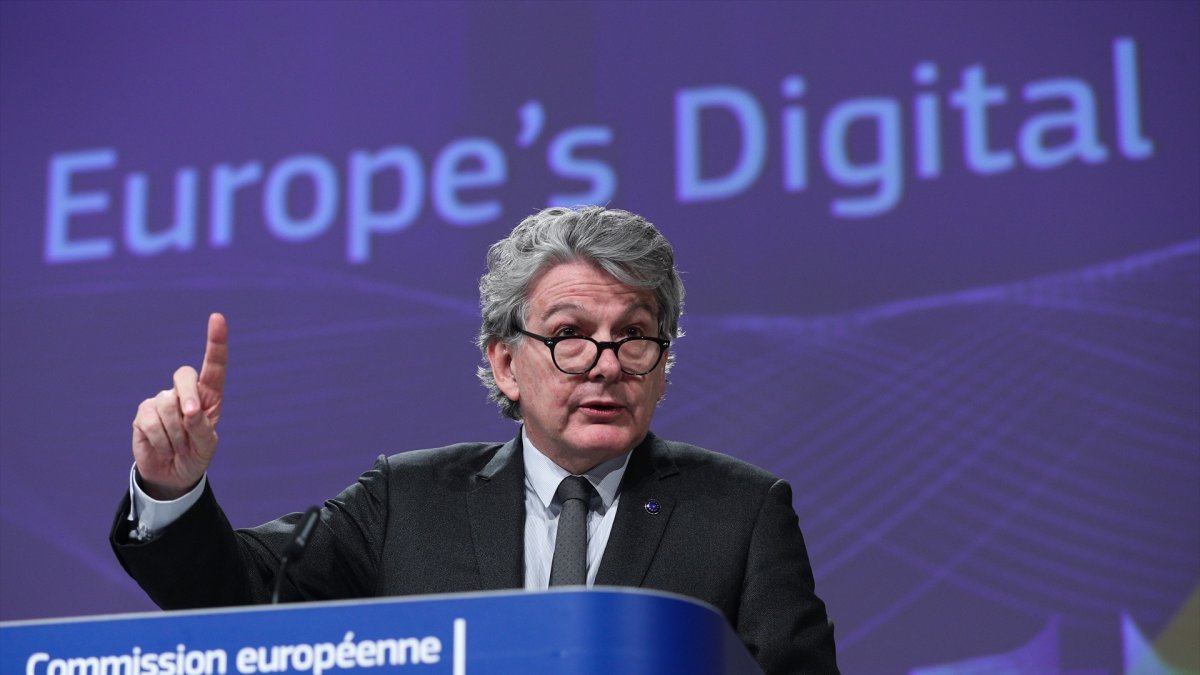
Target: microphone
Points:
(295, 547)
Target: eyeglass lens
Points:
(578, 355)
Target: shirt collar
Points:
(543, 475)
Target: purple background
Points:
(986, 398)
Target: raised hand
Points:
(175, 433)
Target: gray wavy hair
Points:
(621, 243)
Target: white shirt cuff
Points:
(152, 515)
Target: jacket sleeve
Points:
(780, 618)
(201, 561)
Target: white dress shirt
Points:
(152, 515)
(542, 477)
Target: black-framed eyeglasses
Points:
(578, 354)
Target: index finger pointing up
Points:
(216, 355)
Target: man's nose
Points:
(608, 366)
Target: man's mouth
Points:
(600, 408)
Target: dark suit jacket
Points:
(452, 519)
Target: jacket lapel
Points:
(496, 507)
(636, 531)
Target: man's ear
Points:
(500, 356)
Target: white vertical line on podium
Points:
(460, 647)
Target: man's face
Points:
(580, 421)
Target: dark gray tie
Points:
(570, 544)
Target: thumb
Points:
(202, 433)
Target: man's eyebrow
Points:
(571, 306)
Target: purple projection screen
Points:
(943, 268)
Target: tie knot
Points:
(575, 487)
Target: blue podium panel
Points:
(563, 631)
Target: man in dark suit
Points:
(579, 310)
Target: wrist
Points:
(161, 492)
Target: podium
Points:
(568, 631)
